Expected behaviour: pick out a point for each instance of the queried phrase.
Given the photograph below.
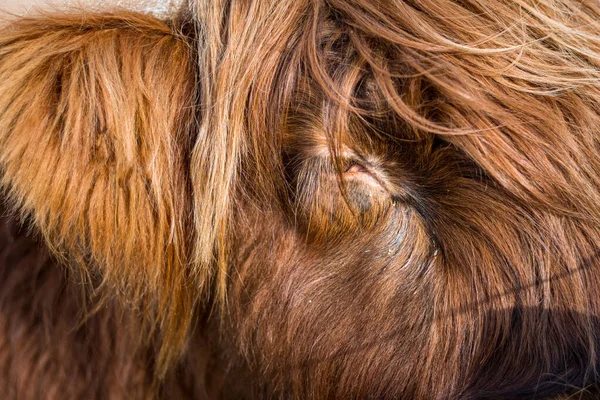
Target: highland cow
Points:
(305, 199)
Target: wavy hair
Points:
(426, 173)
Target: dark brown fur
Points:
(302, 199)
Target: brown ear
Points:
(95, 123)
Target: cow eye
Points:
(354, 167)
(362, 176)
(331, 204)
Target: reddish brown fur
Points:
(303, 199)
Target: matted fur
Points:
(354, 199)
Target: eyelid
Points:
(354, 165)
(355, 168)
(360, 170)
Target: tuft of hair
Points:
(97, 117)
(509, 90)
(96, 121)
(517, 80)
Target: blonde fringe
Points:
(517, 79)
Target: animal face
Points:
(422, 223)
(355, 199)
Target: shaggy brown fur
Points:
(303, 199)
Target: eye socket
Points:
(332, 210)
(366, 178)
(354, 167)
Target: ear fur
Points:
(96, 115)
